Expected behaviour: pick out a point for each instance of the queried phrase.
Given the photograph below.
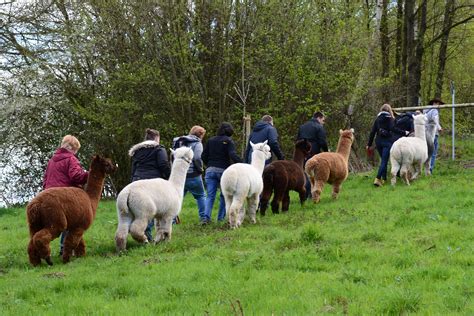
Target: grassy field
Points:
(391, 251)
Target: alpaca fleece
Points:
(159, 199)
(281, 176)
(330, 167)
(408, 154)
(55, 210)
(243, 182)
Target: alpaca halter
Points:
(185, 159)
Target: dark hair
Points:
(225, 129)
(318, 114)
(151, 134)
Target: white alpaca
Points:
(408, 154)
(242, 182)
(430, 130)
(143, 200)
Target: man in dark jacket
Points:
(262, 131)
(314, 132)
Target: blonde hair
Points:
(387, 108)
(198, 131)
(70, 142)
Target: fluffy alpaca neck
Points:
(298, 157)
(178, 174)
(420, 131)
(344, 147)
(258, 160)
(95, 184)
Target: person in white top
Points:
(433, 115)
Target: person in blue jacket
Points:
(264, 131)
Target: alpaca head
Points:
(103, 164)
(263, 147)
(419, 119)
(348, 133)
(184, 153)
(304, 146)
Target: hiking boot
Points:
(378, 182)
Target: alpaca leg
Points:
(336, 187)
(418, 167)
(266, 195)
(427, 168)
(316, 191)
(252, 204)
(404, 174)
(285, 203)
(395, 169)
(125, 220)
(234, 212)
(302, 193)
(163, 228)
(137, 229)
(71, 242)
(39, 246)
(277, 198)
(228, 203)
(80, 250)
(241, 215)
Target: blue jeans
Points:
(196, 187)
(383, 148)
(213, 181)
(435, 152)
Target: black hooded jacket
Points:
(149, 160)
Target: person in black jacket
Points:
(262, 131)
(219, 153)
(403, 123)
(314, 132)
(383, 130)
(149, 160)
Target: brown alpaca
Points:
(330, 167)
(66, 208)
(281, 176)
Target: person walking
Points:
(383, 130)
(264, 131)
(65, 170)
(219, 153)
(314, 132)
(194, 182)
(149, 161)
(433, 116)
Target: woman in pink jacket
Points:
(65, 170)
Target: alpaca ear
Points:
(340, 131)
(352, 130)
(265, 142)
(252, 144)
(172, 151)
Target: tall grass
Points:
(390, 250)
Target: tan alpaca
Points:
(330, 167)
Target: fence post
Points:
(453, 93)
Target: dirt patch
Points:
(57, 275)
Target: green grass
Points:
(390, 251)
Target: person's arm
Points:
(231, 150)
(273, 143)
(372, 133)
(77, 175)
(436, 120)
(45, 177)
(198, 164)
(246, 154)
(205, 154)
(163, 163)
(394, 128)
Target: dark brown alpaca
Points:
(281, 176)
(67, 208)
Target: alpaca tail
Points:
(33, 215)
(310, 168)
(122, 202)
(268, 175)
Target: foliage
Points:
(373, 251)
(105, 71)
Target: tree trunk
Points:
(384, 40)
(419, 50)
(410, 50)
(443, 48)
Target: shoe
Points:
(378, 182)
